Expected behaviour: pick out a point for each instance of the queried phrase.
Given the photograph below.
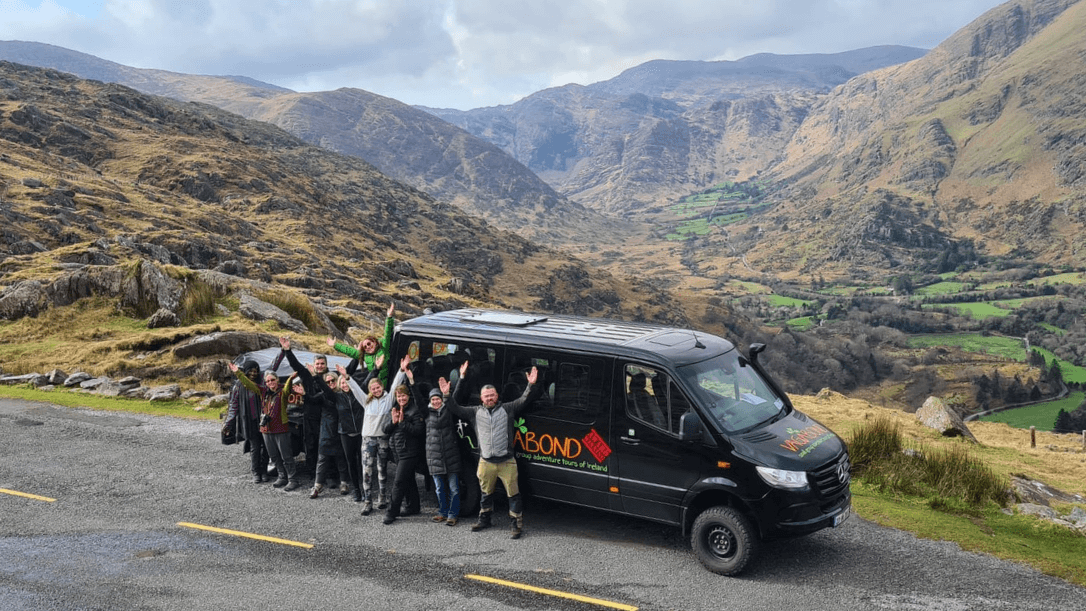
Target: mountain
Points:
(409, 145)
(666, 128)
(96, 176)
(977, 144)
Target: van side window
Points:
(646, 396)
(433, 360)
(573, 386)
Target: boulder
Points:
(199, 394)
(93, 383)
(163, 318)
(76, 378)
(169, 392)
(129, 382)
(215, 401)
(230, 343)
(937, 415)
(56, 376)
(1039, 493)
(36, 379)
(26, 298)
(255, 309)
(109, 389)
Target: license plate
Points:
(841, 517)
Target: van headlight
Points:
(779, 478)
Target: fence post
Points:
(1033, 437)
(1084, 441)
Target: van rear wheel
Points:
(724, 540)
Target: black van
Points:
(666, 424)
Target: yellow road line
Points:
(27, 495)
(238, 533)
(558, 593)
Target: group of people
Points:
(353, 423)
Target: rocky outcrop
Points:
(230, 343)
(255, 309)
(141, 289)
(937, 415)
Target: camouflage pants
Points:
(374, 458)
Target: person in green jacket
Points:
(367, 350)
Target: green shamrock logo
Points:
(519, 423)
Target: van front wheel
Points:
(723, 540)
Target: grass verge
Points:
(66, 398)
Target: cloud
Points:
(466, 53)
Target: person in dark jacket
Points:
(351, 416)
(273, 421)
(242, 418)
(406, 430)
(493, 423)
(329, 448)
(443, 455)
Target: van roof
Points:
(581, 333)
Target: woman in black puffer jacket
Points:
(443, 455)
(406, 431)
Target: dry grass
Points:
(1058, 460)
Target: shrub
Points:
(949, 477)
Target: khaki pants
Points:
(489, 474)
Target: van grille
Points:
(832, 478)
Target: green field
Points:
(978, 310)
(942, 288)
(802, 323)
(1071, 373)
(791, 302)
(1007, 347)
(1042, 416)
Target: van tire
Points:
(724, 540)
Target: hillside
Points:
(977, 143)
(666, 128)
(406, 144)
(96, 178)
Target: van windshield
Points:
(735, 396)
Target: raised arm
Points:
(245, 381)
(531, 393)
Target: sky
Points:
(465, 53)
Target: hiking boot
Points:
(367, 509)
(516, 527)
(279, 483)
(484, 522)
(344, 488)
(389, 519)
(258, 478)
(382, 500)
(358, 496)
(451, 522)
(292, 485)
(438, 518)
(317, 488)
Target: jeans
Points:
(280, 454)
(448, 494)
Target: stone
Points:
(937, 415)
(215, 401)
(163, 318)
(139, 392)
(109, 389)
(255, 309)
(168, 392)
(1041, 511)
(29, 378)
(76, 379)
(93, 383)
(230, 343)
(26, 298)
(128, 382)
(188, 394)
(56, 376)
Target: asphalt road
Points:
(123, 486)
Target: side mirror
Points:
(754, 351)
(691, 428)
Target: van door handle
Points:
(631, 440)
